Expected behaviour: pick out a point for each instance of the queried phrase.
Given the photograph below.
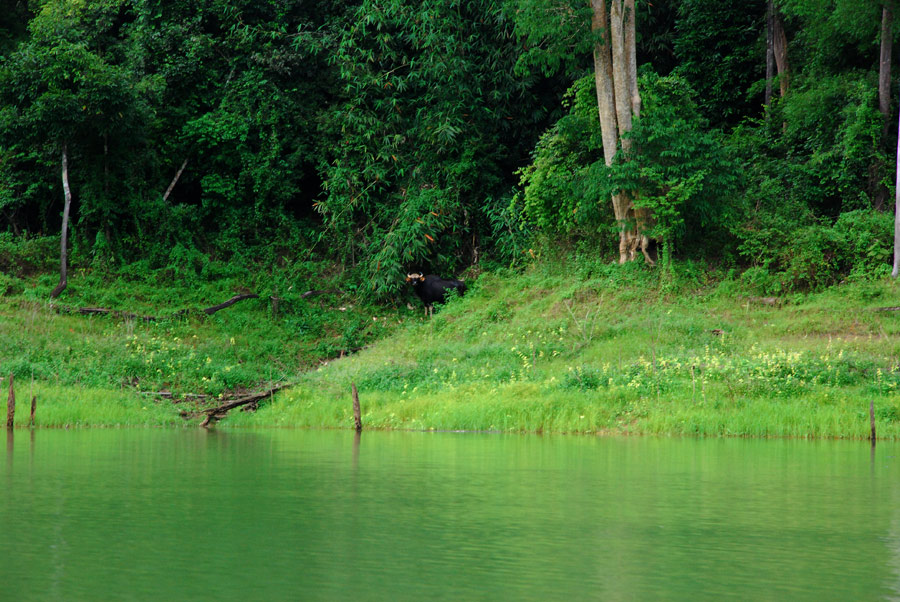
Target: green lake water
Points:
(320, 515)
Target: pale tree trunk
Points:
(770, 52)
(631, 49)
(622, 99)
(779, 49)
(642, 217)
(63, 256)
(603, 81)
(621, 79)
(897, 214)
(884, 100)
(618, 101)
(884, 68)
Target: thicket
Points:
(388, 136)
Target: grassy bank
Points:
(141, 371)
(606, 349)
(611, 352)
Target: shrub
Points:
(27, 255)
(867, 238)
(857, 245)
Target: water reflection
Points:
(226, 514)
(10, 441)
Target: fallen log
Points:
(88, 311)
(217, 413)
(211, 310)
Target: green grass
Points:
(63, 354)
(66, 406)
(541, 353)
(592, 349)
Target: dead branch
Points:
(170, 395)
(217, 413)
(211, 310)
(174, 181)
(103, 311)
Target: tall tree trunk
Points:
(618, 100)
(779, 49)
(631, 49)
(606, 102)
(770, 52)
(63, 256)
(641, 217)
(603, 81)
(884, 102)
(621, 79)
(884, 65)
(897, 213)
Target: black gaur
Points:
(433, 289)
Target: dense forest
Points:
(386, 136)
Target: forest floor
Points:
(604, 350)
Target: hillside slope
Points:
(609, 350)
